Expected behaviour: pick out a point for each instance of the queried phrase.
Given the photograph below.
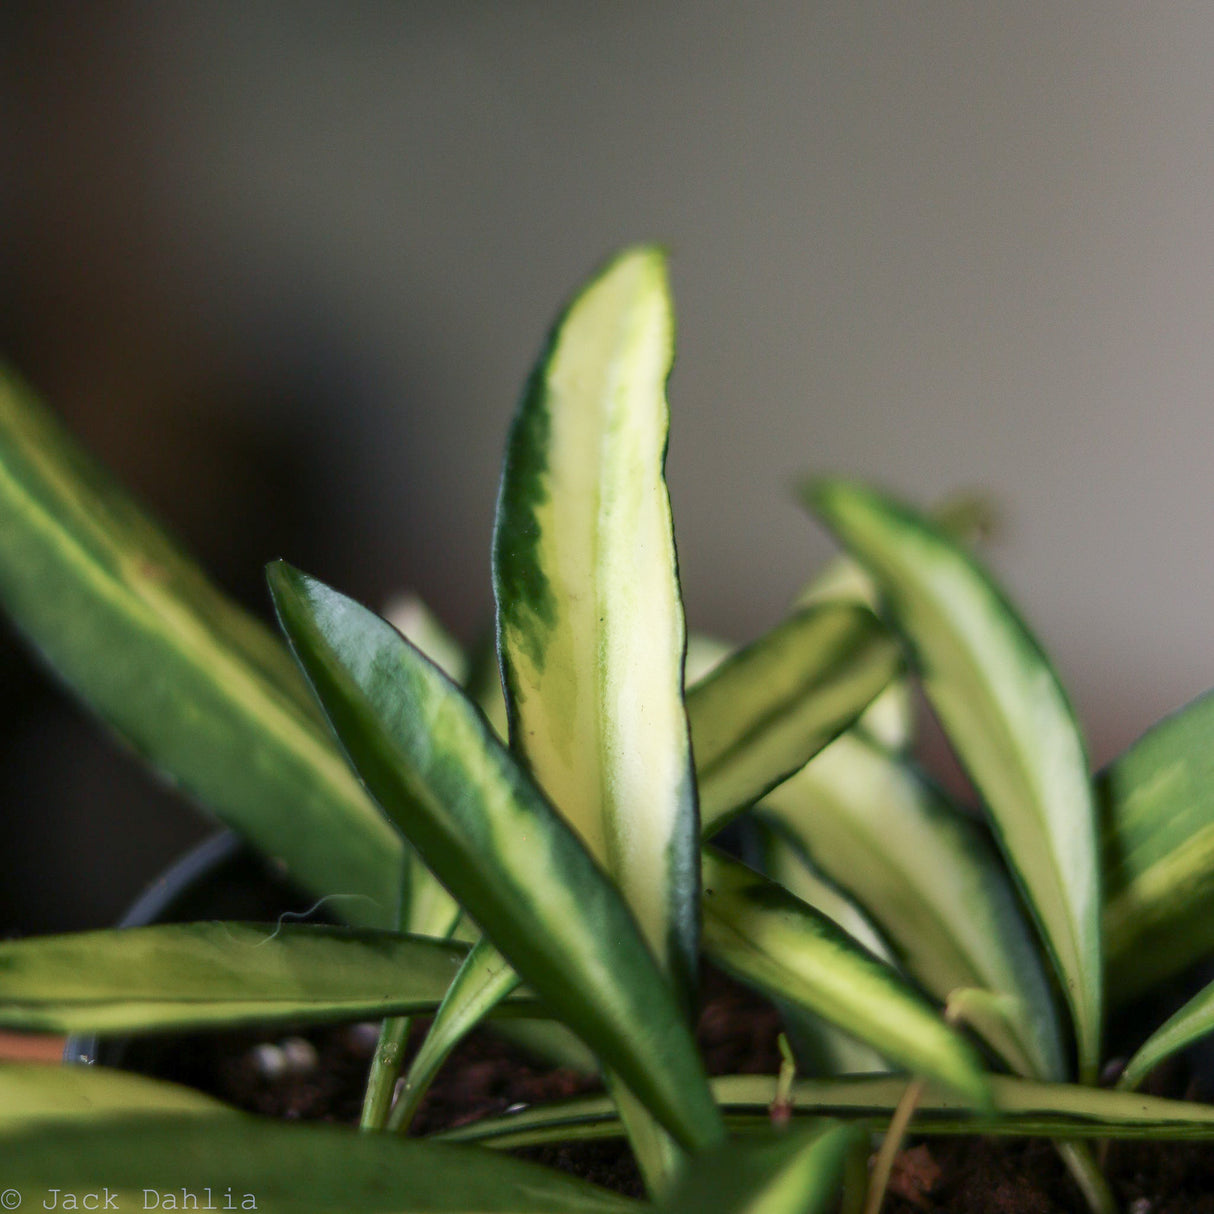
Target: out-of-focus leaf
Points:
(198, 687)
(932, 882)
(704, 654)
(33, 1092)
(890, 719)
(821, 1048)
(1192, 1022)
(792, 1173)
(287, 1169)
(410, 616)
(1156, 805)
(1008, 719)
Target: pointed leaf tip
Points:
(591, 631)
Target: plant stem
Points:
(1088, 1176)
(385, 1069)
(884, 1165)
(782, 1106)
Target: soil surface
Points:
(319, 1074)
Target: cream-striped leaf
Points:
(482, 826)
(198, 687)
(890, 719)
(931, 881)
(762, 934)
(1157, 813)
(1019, 1108)
(186, 975)
(1008, 719)
(590, 624)
(821, 1048)
(769, 708)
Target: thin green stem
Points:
(782, 1105)
(385, 1070)
(891, 1143)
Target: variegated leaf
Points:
(932, 882)
(430, 759)
(763, 935)
(1157, 814)
(197, 686)
(590, 624)
(769, 708)
(1008, 719)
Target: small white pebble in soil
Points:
(516, 1108)
(299, 1055)
(268, 1060)
(363, 1037)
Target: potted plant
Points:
(543, 846)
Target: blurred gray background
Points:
(285, 267)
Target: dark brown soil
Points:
(1010, 1176)
(737, 1034)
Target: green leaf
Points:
(590, 624)
(430, 759)
(1157, 812)
(210, 974)
(1192, 1022)
(483, 981)
(31, 1092)
(933, 884)
(1020, 1108)
(766, 937)
(767, 710)
(1008, 719)
(286, 1169)
(793, 1173)
(195, 685)
(430, 910)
